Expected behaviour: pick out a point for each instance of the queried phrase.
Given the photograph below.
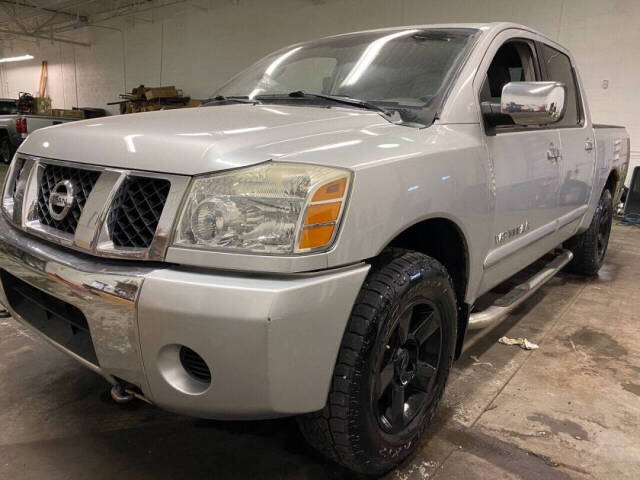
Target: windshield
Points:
(394, 69)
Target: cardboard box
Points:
(193, 103)
(60, 112)
(161, 92)
(42, 105)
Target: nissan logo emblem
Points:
(61, 199)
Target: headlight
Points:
(273, 208)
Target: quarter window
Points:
(558, 68)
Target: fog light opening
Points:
(184, 369)
(194, 365)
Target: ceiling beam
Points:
(48, 21)
(11, 13)
(15, 3)
(135, 7)
(44, 37)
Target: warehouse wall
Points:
(200, 45)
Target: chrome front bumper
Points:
(270, 341)
(105, 292)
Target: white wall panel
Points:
(197, 49)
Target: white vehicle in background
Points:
(15, 126)
(314, 241)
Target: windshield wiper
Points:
(344, 100)
(223, 99)
(391, 115)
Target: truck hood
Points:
(208, 139)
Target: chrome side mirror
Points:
(533, 103)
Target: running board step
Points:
(512, 299)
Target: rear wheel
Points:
(392, 366)
(590, 247)
(5, 150)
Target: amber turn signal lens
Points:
(323, 213)
(314, 237)
(331, 191)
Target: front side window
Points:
(558, 68)
(403, 70)
(513, 62)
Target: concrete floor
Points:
(568, 410)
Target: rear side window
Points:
(558, 67)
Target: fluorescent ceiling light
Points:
(16, 59)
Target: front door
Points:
(526, 184)
(526, 168)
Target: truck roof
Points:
(487, 26)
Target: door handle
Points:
(588, 145)
(553, 154)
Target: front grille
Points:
(83, 182)
(58, 320)
(194, 365)
(136, 211)
(129, 209)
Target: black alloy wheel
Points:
(604, 228)
(407, 368)
(590, 247)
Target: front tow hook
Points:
(120, 395)
(123, 393)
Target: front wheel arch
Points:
(442, 239)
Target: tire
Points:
(392, 366)
(5, 150)
(590, 247)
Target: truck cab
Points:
(546, 176)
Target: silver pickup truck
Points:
(16, 126)
(315, 239)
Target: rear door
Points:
(525, 170)
(577, 143)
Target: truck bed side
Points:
(612, 162)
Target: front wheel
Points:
(590, 247)
(392, 366)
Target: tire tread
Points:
(584, 246)
(328, 430)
